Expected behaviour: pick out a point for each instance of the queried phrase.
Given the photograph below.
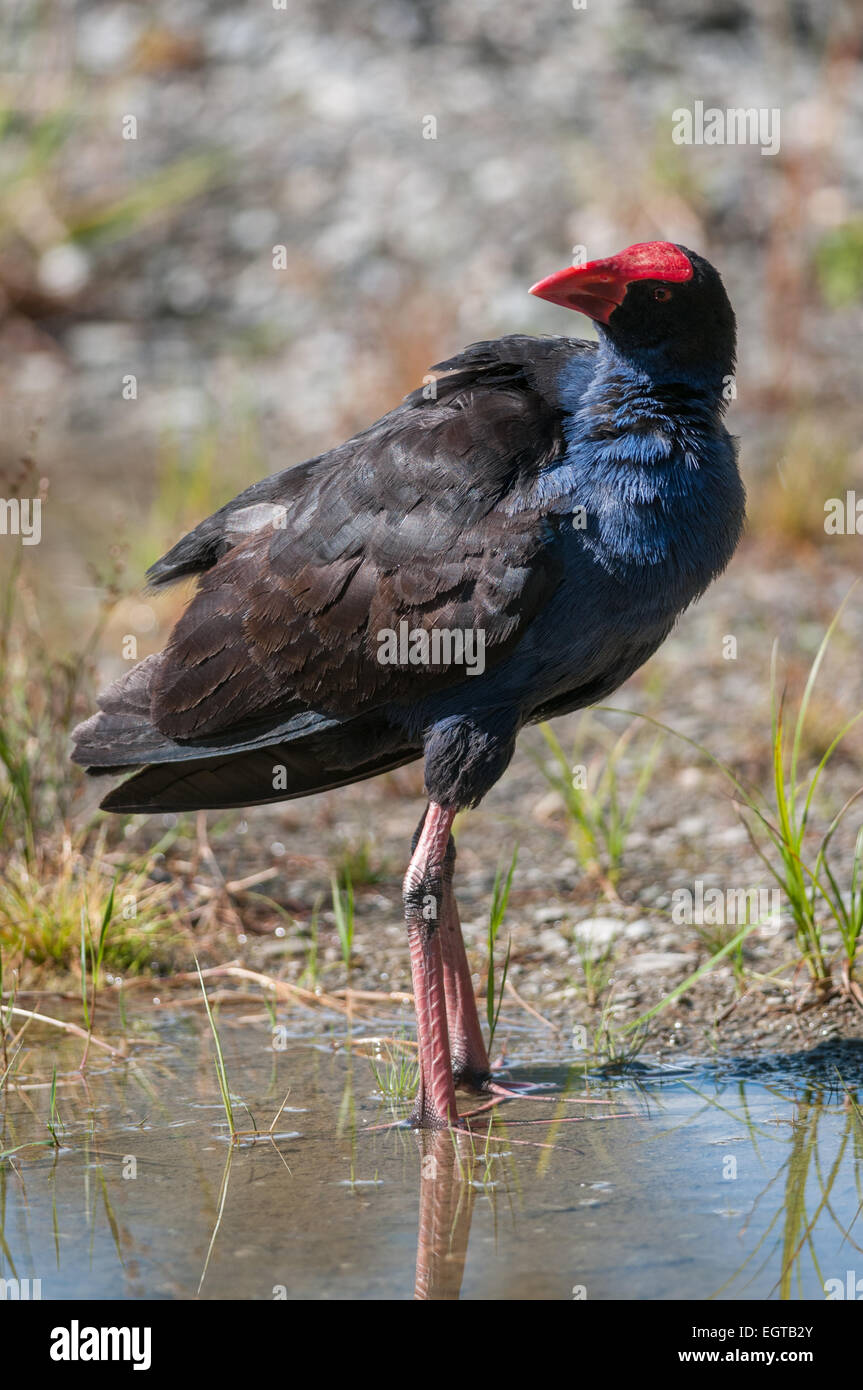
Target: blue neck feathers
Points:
(651, 464)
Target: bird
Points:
(508, 544)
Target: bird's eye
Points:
(662, 294)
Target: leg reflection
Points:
(447, 1195)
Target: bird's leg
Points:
(471, 1067)
(468, 1055)
(435, 1104)
(440, 972)
(469, 1058)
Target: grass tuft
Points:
(599, 813)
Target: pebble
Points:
(638, 930)
(650, 962)
(553, 943)
(598, 931)
(691, 827)
(65, 269)
(557, 912)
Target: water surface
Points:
(733, 1180)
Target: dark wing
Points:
(412, 522)
(518, 362)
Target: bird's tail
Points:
(276, 760)
(122, 734)
(256, 778)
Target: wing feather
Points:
(415, 520)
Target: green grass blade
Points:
(497, 912)
(221, 1071)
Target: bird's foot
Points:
(497, 1092)
(480, 1079)
(516, 1090)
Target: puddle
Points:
(733, 1180)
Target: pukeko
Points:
(547, 504)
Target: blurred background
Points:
(307, 127)
(233, 233)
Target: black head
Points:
(658, 304)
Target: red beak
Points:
(597, 288)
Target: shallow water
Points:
(731, 1180)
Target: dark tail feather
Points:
(254, 778)
(282, 757)
(121, 734)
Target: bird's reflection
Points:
(447, 1195)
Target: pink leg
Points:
(471, 1068)
(435, 1104)
(447, 1021)
(470, 1065)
